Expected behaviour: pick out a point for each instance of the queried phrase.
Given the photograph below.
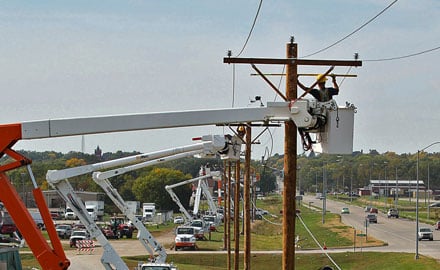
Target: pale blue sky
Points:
(83, 58)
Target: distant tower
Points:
(98, 153)
(83, 144)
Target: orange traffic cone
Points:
(325, 247)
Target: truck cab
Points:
(69, 214)
(185, 238)
(93, 212)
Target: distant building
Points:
(53, 199)
(391, 187)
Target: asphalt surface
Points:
(399, 233)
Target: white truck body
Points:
(148, 211)
(95, 209)
(133, 206)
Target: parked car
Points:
(374, 210)
(179, 220)
(393, 212)
(78, 235)
(345, 210)
(425, 233)
(260, 211)
(7, 225)
(64, 230)
(435, 204)
(371, 218)
(56, 215)
(78, 226)
(70, 214)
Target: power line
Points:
(402, 57)
(352, 33)
(242, 49)
(252, 28)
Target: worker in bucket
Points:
(322, 94)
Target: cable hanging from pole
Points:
(252, 29)
(353, 32)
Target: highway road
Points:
(399, 234)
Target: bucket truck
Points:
(101, 178)
(58, 179)
(301, 111)
(203, 187)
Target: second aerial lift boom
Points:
(58, 179)
(203, 186)
(101, 178)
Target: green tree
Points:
(151, 188)
(267, 181)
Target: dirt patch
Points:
(166, 238)
(343, 230)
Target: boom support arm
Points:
(146, 238)
(169, 189)
(59, 180)
(110, 258)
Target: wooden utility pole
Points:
(290, 155)
(247, 198)
(290, 145)
(237, 215)
(227, 213)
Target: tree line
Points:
(144, 185)
(357, 169)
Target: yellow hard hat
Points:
(321, 78)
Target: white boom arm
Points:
(203, 187)
(208, 196)
(297, 111)
(144, 236)
(198, 197)
(58, 179)
(169, 189)
(215, 144)
(109, 257)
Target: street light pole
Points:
(417, 198)
(429, 193)
(351, 184)
(385, 195)
(396, 200)
(417, 206)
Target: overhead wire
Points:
(242, 49)
(272, 134)
(353, 32)
(252, 28)
(402, 57)
(317, 242)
